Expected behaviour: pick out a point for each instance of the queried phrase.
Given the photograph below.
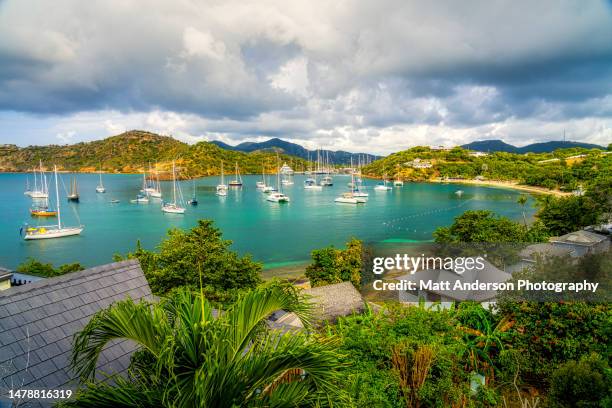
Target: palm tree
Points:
(193, 356)
(522, 200)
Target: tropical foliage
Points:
(564, 169)
(198, 257)
(332, 265)
(561, 215)
(413, 356)
(195, 356)
(485, 226)
(46, 270)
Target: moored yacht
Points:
(174, 207)
(222, 187)
(236, 182)
(51, 231)
(349, 198)
(100, 187)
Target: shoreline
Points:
(513, 185)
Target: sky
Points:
(368, 76)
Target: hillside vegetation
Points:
(564, 169)
(131, 152)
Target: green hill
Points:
(563, 169)
(132, 151)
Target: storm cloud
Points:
(353, 74)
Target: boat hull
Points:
(43, 233)
(277, 198)
(43, 213)
(173, 209)
(343, 200)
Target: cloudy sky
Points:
(374, 76)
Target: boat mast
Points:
(278, 183)
(173, 183)
(57, 200)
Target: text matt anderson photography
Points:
(384, 204)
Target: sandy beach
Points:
(507, 184)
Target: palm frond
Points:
(117, 393)
(139, 322)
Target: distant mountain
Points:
(544, 147)
(293, 149)
(134, 151)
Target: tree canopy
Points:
(198, 257)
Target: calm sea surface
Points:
(272, 233)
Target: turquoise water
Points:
(272, 233)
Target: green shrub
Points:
(583, 383)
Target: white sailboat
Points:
(398, 182)
(382, 186)
(52, 231)
(237, 182)
(222, 187)
(155, 190)
(311, 182)
(100, 187)
(174, 207)
(141, 197)
(262, 184)
(349, 197)
(278, 196)
(43, 190)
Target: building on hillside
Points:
(582, 242)
(439, 147)
(489, 274)
(533, 253)
(478, 154)
(286, 169)
(419, 164)
(38, 322)
(330, 302)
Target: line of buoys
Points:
(391, 223)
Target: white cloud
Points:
(355, 74)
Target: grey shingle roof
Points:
(38, 321)
(580, 238)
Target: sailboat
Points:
(154, 188)
(222, 187)
(237, 182)
(382, 186)
(51, 231)
(173, 207)
(287, 173)
(398, 180)
(100, 188)
(43, 210)
(278, 196)
(194, 199)
(311, 183)
(141, 197)
(350, 198)
(262, 184)
(43, 191)
(74, 192)
(327, 180)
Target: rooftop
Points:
(580, 238)
(38, 322)
(330, 302)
